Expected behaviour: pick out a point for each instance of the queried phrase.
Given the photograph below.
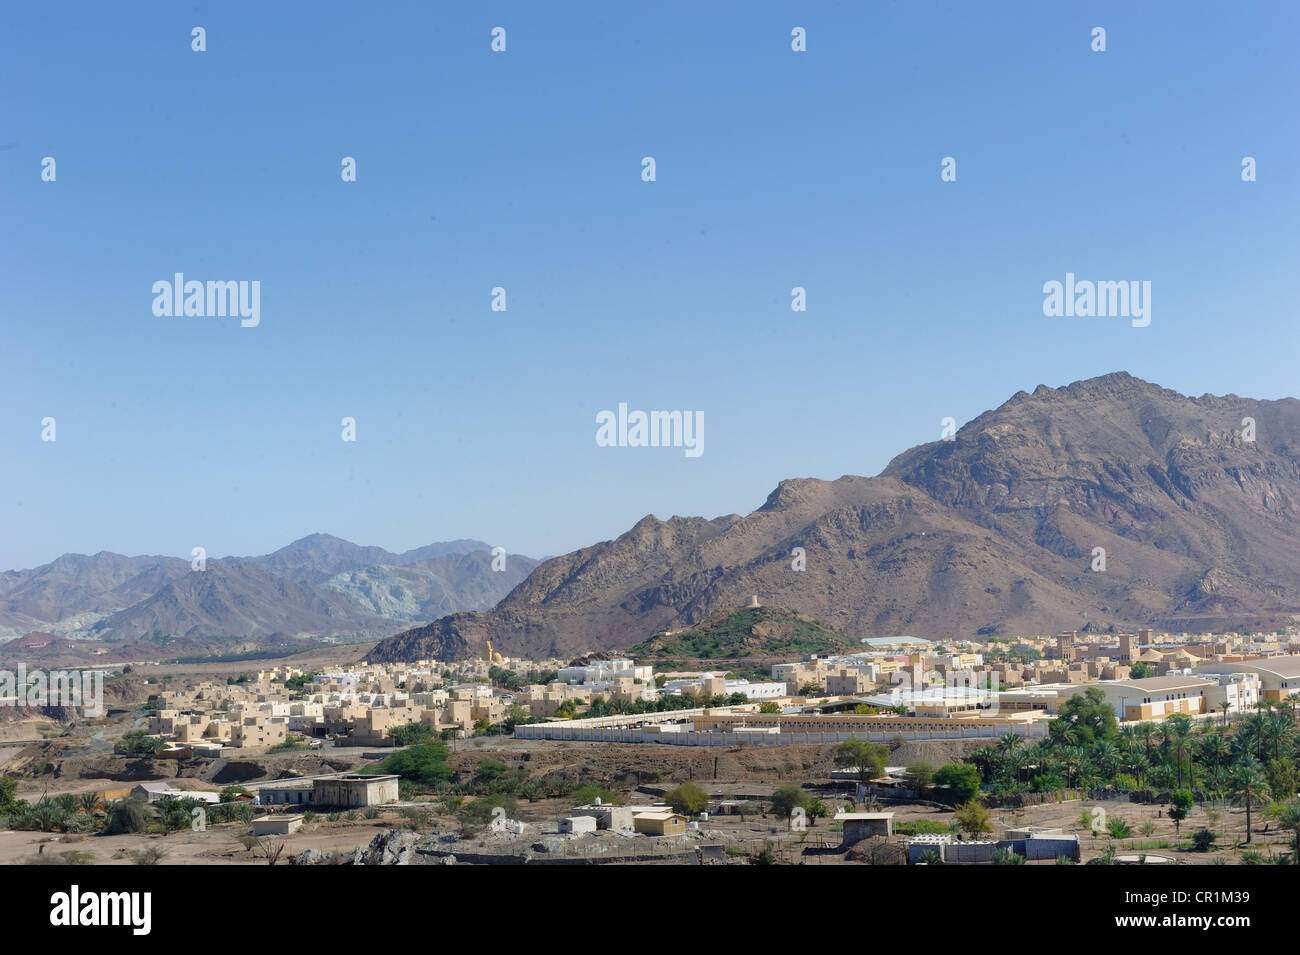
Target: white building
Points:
(756, 691)
(604, 671)
(1157, 697)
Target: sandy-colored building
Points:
(657, 823)
(1279, 677)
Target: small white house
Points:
(575, 825)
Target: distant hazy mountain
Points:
(317, 587)
(318, 557)
(78, 584)
(993, 532)
(428, 589)
(245, 601)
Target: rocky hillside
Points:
(993, 532)
(744, 634)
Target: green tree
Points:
(8, 795)
(919, 776)
(424, 763)
(958, 782)
(786, 799)
(816, 809)
(1084, 719)
(1281, 775)
(1178, 734)
(687, 799)
(1180, 807)
(1249, 788)
(987, 760)
(867, 758)
(767, 706)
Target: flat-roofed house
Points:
(1279, 677)
(1157, 697)
(657, 823)
(355, 790)
(276, 825)
(863, 825)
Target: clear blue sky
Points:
(523, 170)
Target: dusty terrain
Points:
(50, 758)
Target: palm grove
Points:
(1251, 764)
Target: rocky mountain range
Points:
(1107, 503)
(319, 587)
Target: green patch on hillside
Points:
(733, 635)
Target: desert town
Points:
(1110, 749)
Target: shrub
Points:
(588, 793)
(973, 818)
(138, 743)
(687, 799)
(922, 827)
(127, 816)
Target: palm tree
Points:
(1218, 781)
(1249, 788)
(89, 803)
(1215, 749)
(1073, 759)
(67, 803)
(1008, 743)
(1278, 731)
(1178, 731)
(986, 760)
(1064, 732)
(1128, 737)
(1225, 706)
(1251, 736)
(1107, 757)
(1139, 766)
(1144, 731)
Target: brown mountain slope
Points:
(992, 532)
